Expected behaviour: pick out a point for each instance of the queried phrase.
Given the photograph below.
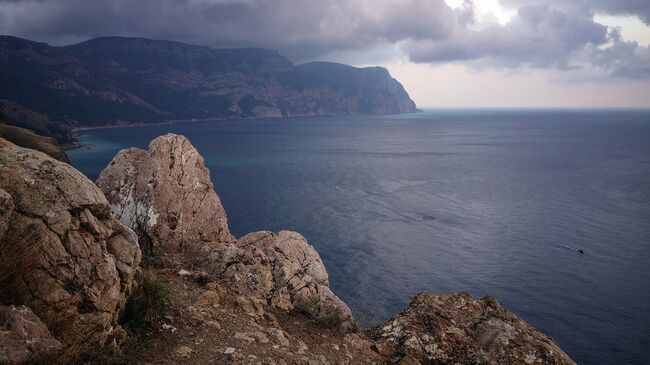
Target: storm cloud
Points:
(548, 34)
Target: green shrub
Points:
(146, 304)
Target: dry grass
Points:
(28, 139)
(17, 256)
(146, 304)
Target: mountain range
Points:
(122, 81)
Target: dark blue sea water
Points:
(484, 201)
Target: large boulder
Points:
(458, 329)
(281, 270)
(63, 254)
(165, 194)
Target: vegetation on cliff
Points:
(117, 80)
(25, 138)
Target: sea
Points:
(487, 201)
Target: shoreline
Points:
(216, 119)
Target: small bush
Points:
(332, 319)
(146, 304)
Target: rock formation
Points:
(280, 270)
(458, 329)
(62, 254)
(165, 194)
(24, 337)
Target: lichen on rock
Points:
(65, 256)
(165, 194)
(283, 270)
(456, 328)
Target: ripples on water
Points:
(484, 201)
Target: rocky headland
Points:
(126, 81)
(76, 256)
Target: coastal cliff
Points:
(263, 298)
(121, 81)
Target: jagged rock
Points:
(283, 270)
(165, 194)
(69, 260)
(184, 273)
(251, 306)
(281, 336)
(302, 348)
(362, 345)
(260, 337)
(24, 338)
(457, 328)
(208, 298)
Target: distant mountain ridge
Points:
(118, 80)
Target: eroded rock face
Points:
(441, 329)
(165, 194)
(281, 270)
(68, 259)
(24, 337)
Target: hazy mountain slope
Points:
(116, 80)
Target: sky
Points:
(447, 53)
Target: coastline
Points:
(177, 121)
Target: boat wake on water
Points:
(578, 250)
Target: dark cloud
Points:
(539, 36)
(555, 34)
(640, 8)
(298, 28)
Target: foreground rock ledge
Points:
(281, 270)
(62, 254)
(458, 329)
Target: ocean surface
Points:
(484, 201)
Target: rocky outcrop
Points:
(280, 270)
(24, 338)
(63, 255)
(458, 329)
(165, 194)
